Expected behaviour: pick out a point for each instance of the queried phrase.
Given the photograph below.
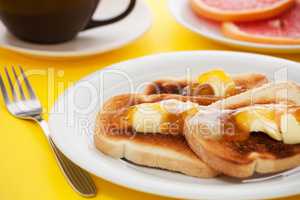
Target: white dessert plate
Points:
(184, 15)
(93, 41)
(72, 122)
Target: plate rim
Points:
(228, 41)
(281, 190)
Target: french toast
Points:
(116, 137)
(243, 82)
(259, 150)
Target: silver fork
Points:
(30, 108)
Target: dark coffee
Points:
(51, 21)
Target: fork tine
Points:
(18, 83)
(3, 91)
(11, 85)
(29, 88)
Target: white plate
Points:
(93, 41)
(185, 16)
(73, 116)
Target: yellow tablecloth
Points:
(27, 168)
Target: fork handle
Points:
(79, 179)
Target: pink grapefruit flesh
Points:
(240, 10)
(284, 29)
(238, 5)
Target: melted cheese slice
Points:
(220, 81)
(280, 122)
(259, 119)
(290, 128)
(157, 117)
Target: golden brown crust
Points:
(257, 154)
(282, 92)
(154, 150)
(249, 80)
(219, 163)
(169, 152)
(114, 113)
(245, 82)
(241, 170)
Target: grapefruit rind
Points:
(230, 30)
(209, 12)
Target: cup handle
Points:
(96, 23)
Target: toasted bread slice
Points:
(171, 152)
(259, 153)
(243, 82)
(282, 92)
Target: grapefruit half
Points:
(284, 29)
(240, 10)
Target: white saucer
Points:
(185, 16)
(73, 117)
(93, 41)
